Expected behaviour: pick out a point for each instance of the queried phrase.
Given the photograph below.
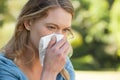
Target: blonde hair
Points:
(32, 10)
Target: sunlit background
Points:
(96, 27)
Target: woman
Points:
(20, 58)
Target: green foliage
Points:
(9, 10)
(2, 11)
(98, 23)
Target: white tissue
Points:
(44, 42)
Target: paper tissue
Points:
(44, 42)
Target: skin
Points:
(58, 21)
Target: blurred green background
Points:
(96, 27)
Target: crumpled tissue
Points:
(44, 42)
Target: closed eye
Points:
(50, 27)
(67, 30)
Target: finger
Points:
(66, 52)
(60, 43)
(52, 42)
(65, 49)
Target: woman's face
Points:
(57, 21)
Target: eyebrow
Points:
(56, 25)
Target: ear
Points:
(27, 25)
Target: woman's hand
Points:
(55, 57)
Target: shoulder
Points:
(8, 70)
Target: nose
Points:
(59, 32)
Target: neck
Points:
(32, 72)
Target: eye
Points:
(66, 30)
(52, 28)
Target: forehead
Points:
(58, 16)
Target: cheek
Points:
(65, 36)
(34, 38)
(36, 34)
